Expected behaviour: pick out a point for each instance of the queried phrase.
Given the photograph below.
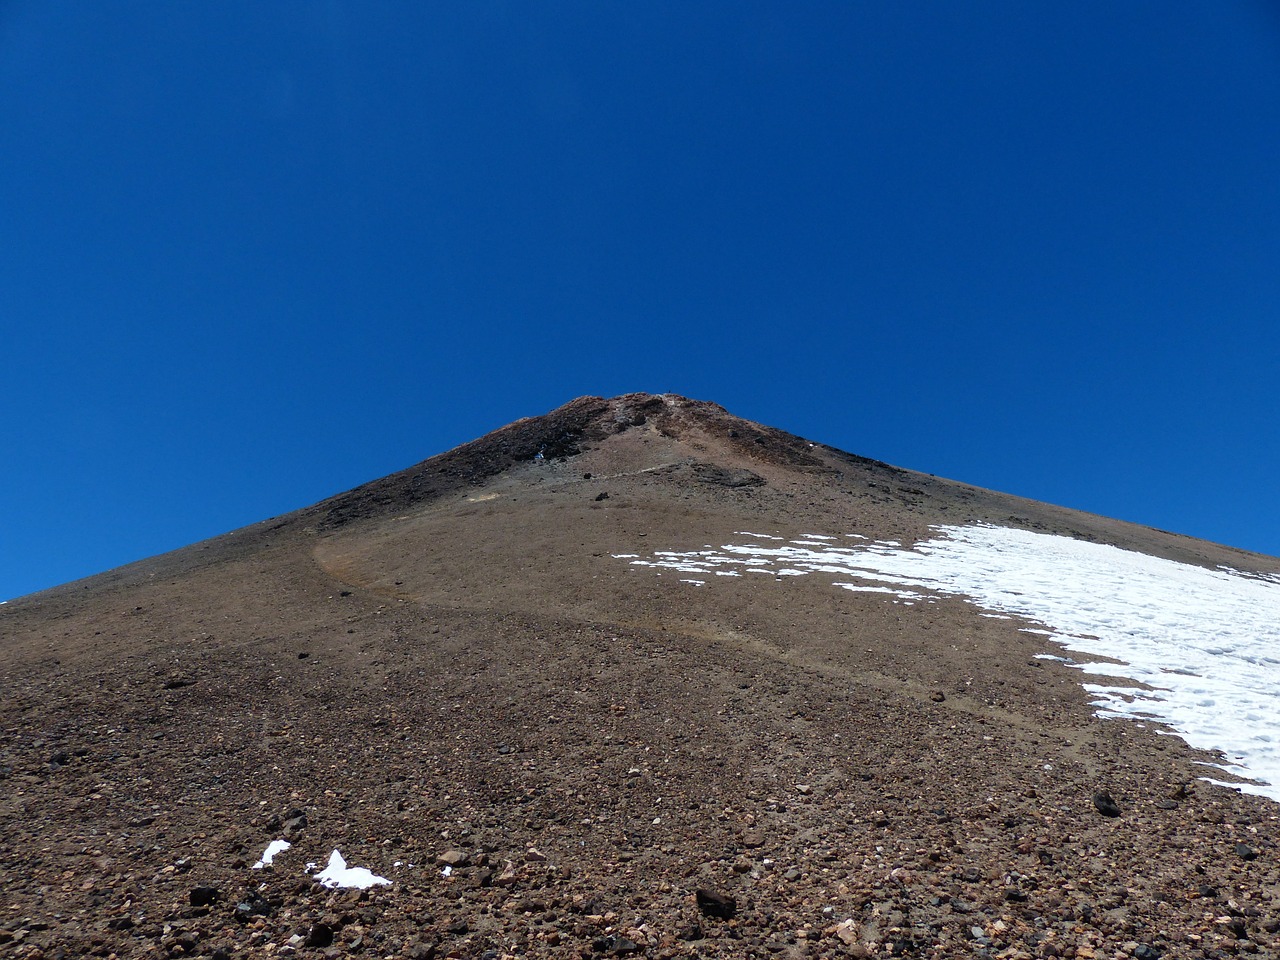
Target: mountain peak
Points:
(568, 431)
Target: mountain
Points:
(633, 678)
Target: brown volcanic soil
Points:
(450, 661)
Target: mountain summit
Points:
(641, 678)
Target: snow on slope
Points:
(1205, 643)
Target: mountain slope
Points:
(461, 660)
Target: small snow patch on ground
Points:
(863, 588)
(338, 874)
(274, 847)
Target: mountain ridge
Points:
(591, 420)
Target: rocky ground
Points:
(449, 678)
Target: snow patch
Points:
(1198, 647)
(338, 874)
(274, 847)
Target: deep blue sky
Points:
(257, 253)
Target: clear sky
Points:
(257, 253)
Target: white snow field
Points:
(1205, 643)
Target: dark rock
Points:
(1167, 804)
(255, 906)
(458, 928)
(1246, 852)
(937, 696)
(60, 759)
(719, 906)
(691, 932)
(601, 496)
(303, 655)
(422, 951)
(203, 896)
(617, 945)
(1147, 952)
(178, 683)
(1106, 806)
(319, 935)
(295, 825)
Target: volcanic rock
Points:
(717, 905)
(1105, 805)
